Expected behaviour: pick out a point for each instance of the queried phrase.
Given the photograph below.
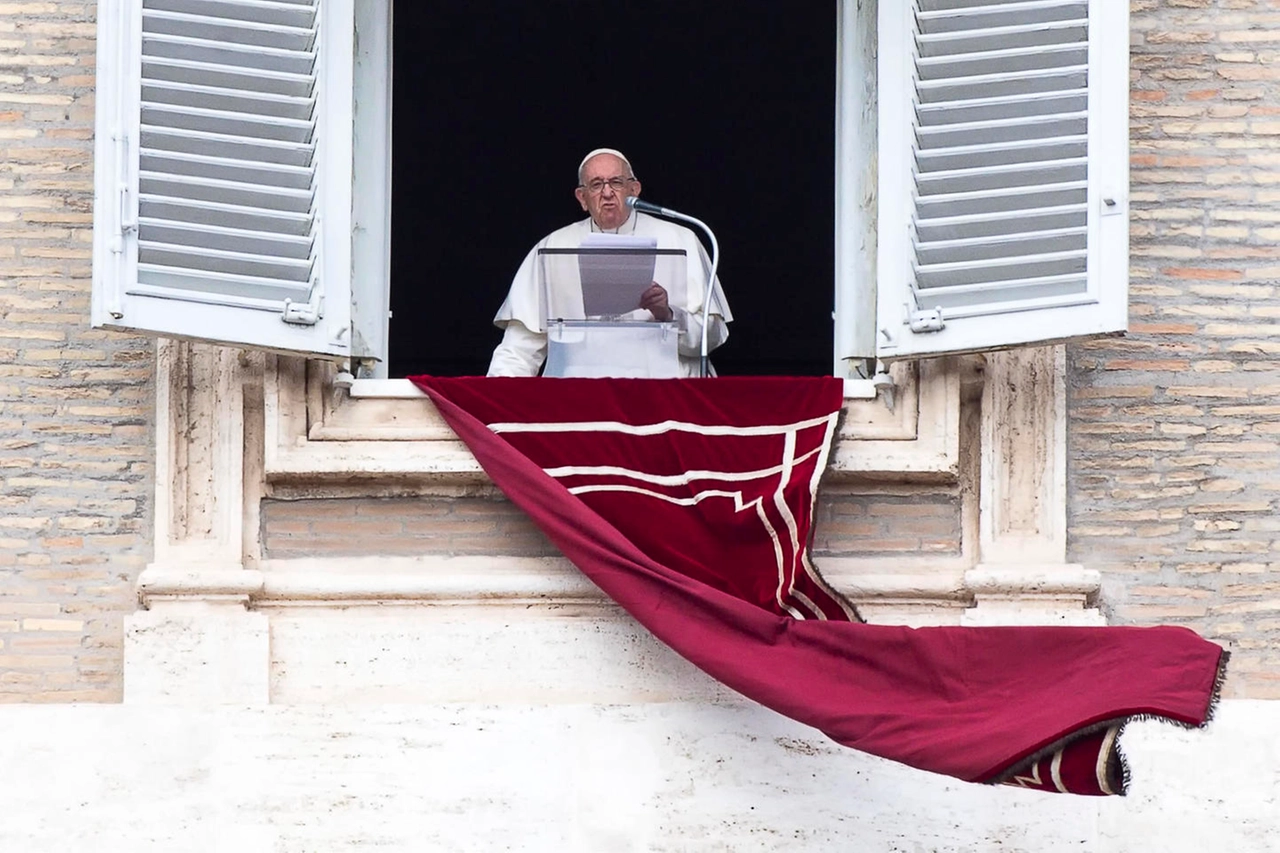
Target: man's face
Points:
(606, 204)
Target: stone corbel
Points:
(195, 640)
(1022, 575)
(201, 456)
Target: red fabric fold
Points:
(978, 704)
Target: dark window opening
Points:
(726, 110)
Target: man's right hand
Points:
(654, 300)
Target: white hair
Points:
(597, 152)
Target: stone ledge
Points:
(553, 580)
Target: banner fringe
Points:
(1117, 764)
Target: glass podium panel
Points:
(624, 349)
(590, 306)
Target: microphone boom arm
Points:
(657, 210)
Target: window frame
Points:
(357, 180)
(371, 179)
(855, 226)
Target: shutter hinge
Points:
(303, 313)
(926, 320)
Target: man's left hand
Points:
(654, 300)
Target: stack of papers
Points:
(615, 269)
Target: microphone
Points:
(647, 207)
(658, 210)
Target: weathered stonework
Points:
(866, 523)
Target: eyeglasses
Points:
(597, 186)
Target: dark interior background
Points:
(726, 110)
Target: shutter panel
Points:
(228, 152)
(1004, 172)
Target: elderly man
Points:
(605, 181)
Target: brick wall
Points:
(75, 405)
(887, 522)
(895, 522)
(399, 527)
(1175, 430)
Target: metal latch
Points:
(926, 320)
(302, 313)
(126, 215)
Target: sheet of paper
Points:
(615, 269)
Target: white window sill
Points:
(403, 389)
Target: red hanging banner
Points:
(690, 503)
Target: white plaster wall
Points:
(583, 653)
(542, 727)
(1217, 789)
(582, 777)
(462, 778)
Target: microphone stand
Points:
(657, 210)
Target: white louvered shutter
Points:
(1003, 173)
(223, 171)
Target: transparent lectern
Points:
(590, 304)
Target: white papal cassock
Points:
(524, 341)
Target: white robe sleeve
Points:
(521, 352)
(690, 325)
